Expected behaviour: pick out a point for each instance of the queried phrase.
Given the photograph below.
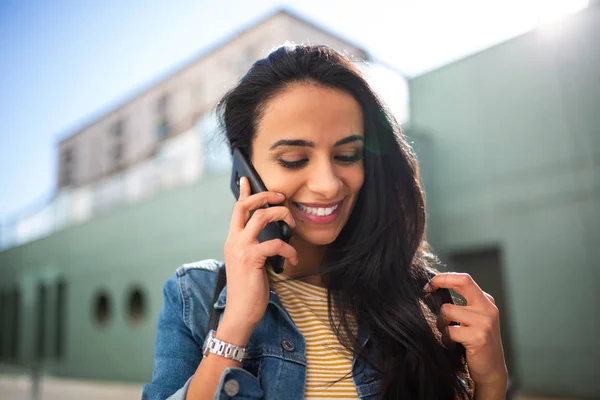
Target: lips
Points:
(323, 213)
(321, 205)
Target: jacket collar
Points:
(222, 300)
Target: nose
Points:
(325, 182)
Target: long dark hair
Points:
(376, 269)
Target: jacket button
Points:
(232, 387)
(288, 345)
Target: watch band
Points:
(223, 349)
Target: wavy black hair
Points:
(376, 268)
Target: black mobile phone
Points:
(273, 230)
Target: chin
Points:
(320, 238)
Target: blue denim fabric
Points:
(269, 371)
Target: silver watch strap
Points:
(223, 349)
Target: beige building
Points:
(137, 129)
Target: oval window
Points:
(136, 305)
(102, 309)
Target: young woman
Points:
(358, 311)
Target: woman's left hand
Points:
(479, 329)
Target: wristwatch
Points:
(223, 349)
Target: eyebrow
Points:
(305, 143)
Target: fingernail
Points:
(280, 194)
(428, 287)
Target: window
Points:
(162, 129)
(162, 105)
(15, 325)
(116, 140)
(118, 152)
(117, 129)
(136, 305)
(61, 304)
(66, 177)
(68, 155)
(102, 309)
(41, 321)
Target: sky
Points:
(66, 62)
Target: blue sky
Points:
(65, 62)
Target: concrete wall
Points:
(515, 164)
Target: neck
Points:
(309, 259)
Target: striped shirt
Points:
(327, 360)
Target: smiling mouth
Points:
(318, 211)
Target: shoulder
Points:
(190, 292)
(198, 276)
(197, 280)
(201, 268)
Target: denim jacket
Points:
(275, 366)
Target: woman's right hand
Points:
(245, 257)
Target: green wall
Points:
(515, 164)
(138, 245)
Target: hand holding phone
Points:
(246, 256)
(273, 230)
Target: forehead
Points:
(310, 112)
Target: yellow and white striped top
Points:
(327, 360)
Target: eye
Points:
(292, 164)
(349, 159)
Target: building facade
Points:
(135, 130)
(508, 145)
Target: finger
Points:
(240, 215)
(490, 297)
(242, 208)
(277, 247)
(461, 283)
(460, 334)
(259, 200)
(463, 315)
(472, 337)
(245, 189)
(262, 217)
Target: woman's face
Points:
(309, 146)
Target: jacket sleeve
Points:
(177, 353)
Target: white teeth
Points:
(321, 212)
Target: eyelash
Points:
(301, 163)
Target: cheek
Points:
(283, 183)
(274, 179)
(355, 180)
